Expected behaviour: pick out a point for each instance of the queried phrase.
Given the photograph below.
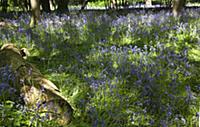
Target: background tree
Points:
(35, 11)
(177, 7)
(124, 3)
(25, 4)
(148, 2)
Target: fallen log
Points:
(30, 86)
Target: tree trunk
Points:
(63, 6)
(148, 2)
(45, 5)
(25, 5)
(35, 6)
(114, 4)
(177, 7)
(124, 3)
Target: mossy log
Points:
(31, 87)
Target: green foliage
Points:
(16, 115)
(11, 116)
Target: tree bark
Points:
(177, 7)
(114, 4)
(45, 5)
(35, 6)
(148, 2)
(124, 3)
(27, 5)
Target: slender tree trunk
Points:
(35, 11)
(115, 4)
(124, 3)
(148, 2)
(25, 5)
(28, 5)
(45, 5)
(177, 7)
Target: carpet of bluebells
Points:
(134, 70)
